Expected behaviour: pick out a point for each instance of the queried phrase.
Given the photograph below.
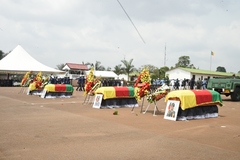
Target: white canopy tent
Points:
(104, 74)
(18, 61)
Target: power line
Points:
(131, 22)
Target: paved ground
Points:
(35, 128)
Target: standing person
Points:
(78, 82)
(82, 83)
(192, 83)
(184, 83)
(199, 84)
(122, 81)
(52, 79)
(204, 83)
(177, 84)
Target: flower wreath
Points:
(89, 82)
(38, 80)
(142, 84)
(25, 81)
(158, 94)
(96, 84)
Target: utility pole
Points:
(165, 55)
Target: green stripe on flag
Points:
(131, 91)
(216, 97)
(69, 88)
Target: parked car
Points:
(16, 84)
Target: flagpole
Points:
(211, 61)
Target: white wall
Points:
(122, 76)
(178, 73)
(181, 74)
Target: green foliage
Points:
(109, 69)
(128, 67)
(118, 69)
(167, 81)
(88, 64)
(99, 67)
(60, 66)
(184, 61)
(221, 69)
(162, 72)
(150, 67)
(2, 54)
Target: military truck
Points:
(229, 86)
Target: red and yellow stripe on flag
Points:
(108, 92)
(121, 91)
(59, 88)
(193, 98)
(124, 92)
(202, 96)
(116, 92)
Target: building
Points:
(75, 68)
(188, 73)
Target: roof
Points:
(76, 66)
(18, 61)
(200, 71)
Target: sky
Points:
(155, 32)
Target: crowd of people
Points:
(81, 80)
(112, 82)
(58, 80)
(175, 84)
(81, 83)
(188, 84)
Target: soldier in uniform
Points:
(171, 112)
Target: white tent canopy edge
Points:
(18, 61)
(104, 74)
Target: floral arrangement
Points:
(25, 81)
(97, 83)
(142, 84)
(89, 82)
(45, 81)
(38, 80)
(158, 94)
(36, 83)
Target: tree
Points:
(60, 66)
(150, 67)
(98, 66)
(118, 69)
(221, 69)
(128, 67)
(88, 64)
(2, 54)
(184, 61)
(109, 69)
(153, 70)
(162, 72)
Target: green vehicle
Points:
(226, 86)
